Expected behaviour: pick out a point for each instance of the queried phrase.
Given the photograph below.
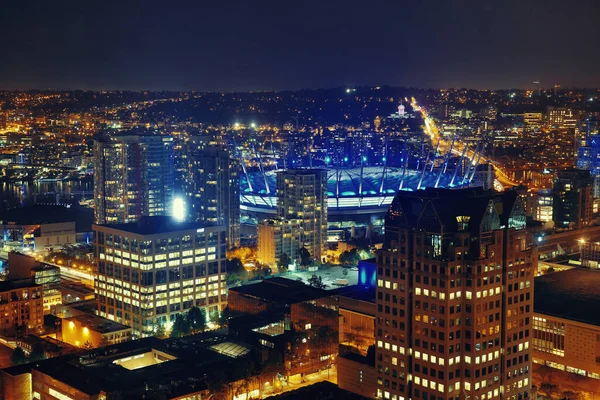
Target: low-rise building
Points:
(294, 320)
(22, 266)
(21, 307)
(566, 322)
(88, 330)
(174, 369)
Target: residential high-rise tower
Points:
(213, 188)
(133, 177)
(302, 196)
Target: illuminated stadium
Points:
(352, 196)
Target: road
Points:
(444, 146)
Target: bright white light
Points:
(253, 125)
(178, 209)
(347, 90)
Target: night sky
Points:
(292, 44)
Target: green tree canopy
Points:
(316, 281)
(37, 352)
(196, 319)
(284, 261)
(305, 257)
(18, 356)
(181, 326)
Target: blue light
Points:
(365, 158)
(345, 159)
(383, 159)
(540, 239)
(327, 160)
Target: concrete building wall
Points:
(356, 377)
(16, 387)
(567, 345)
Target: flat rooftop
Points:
(154, 225)
(572, 294)
(282, 290)
(6, 286)
(356, 292)
(51, 214)
(97, 323)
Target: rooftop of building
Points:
(6, 286)
(282, 290)
(569, 294)
(319, 391)
(185, 366)
(436, 206)
(97, 323)
(51, 214)
(356, 292)
(301, 171)
(154, 225)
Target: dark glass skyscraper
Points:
(133, 177)
(213, 189)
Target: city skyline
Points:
(272, 46)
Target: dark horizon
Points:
(239, 46)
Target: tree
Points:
(181, 326)
(233, 279)
(317, 282)
(87, 345)
(350, 257)
(225, 315)
(196, 319)
(305, 258)
(283, 262)
(37, 352)
(235, 266)
(214, 316)
(159, 329)
(18, 357)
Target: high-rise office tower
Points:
(133, 177)
(151, 270)
(302, 196)
(213, 187)
(455, 297)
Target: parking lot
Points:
(329, 274)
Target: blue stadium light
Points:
(383, 159)
(327, 160)
(364, 158)
(345, 159)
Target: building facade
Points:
(573, 199)
(133, 177)
(277, 237)
(566, 332)
(152, 270)
(213, 187)
(21, 307)
(455, 297)
(93, 331)
(302, 195)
